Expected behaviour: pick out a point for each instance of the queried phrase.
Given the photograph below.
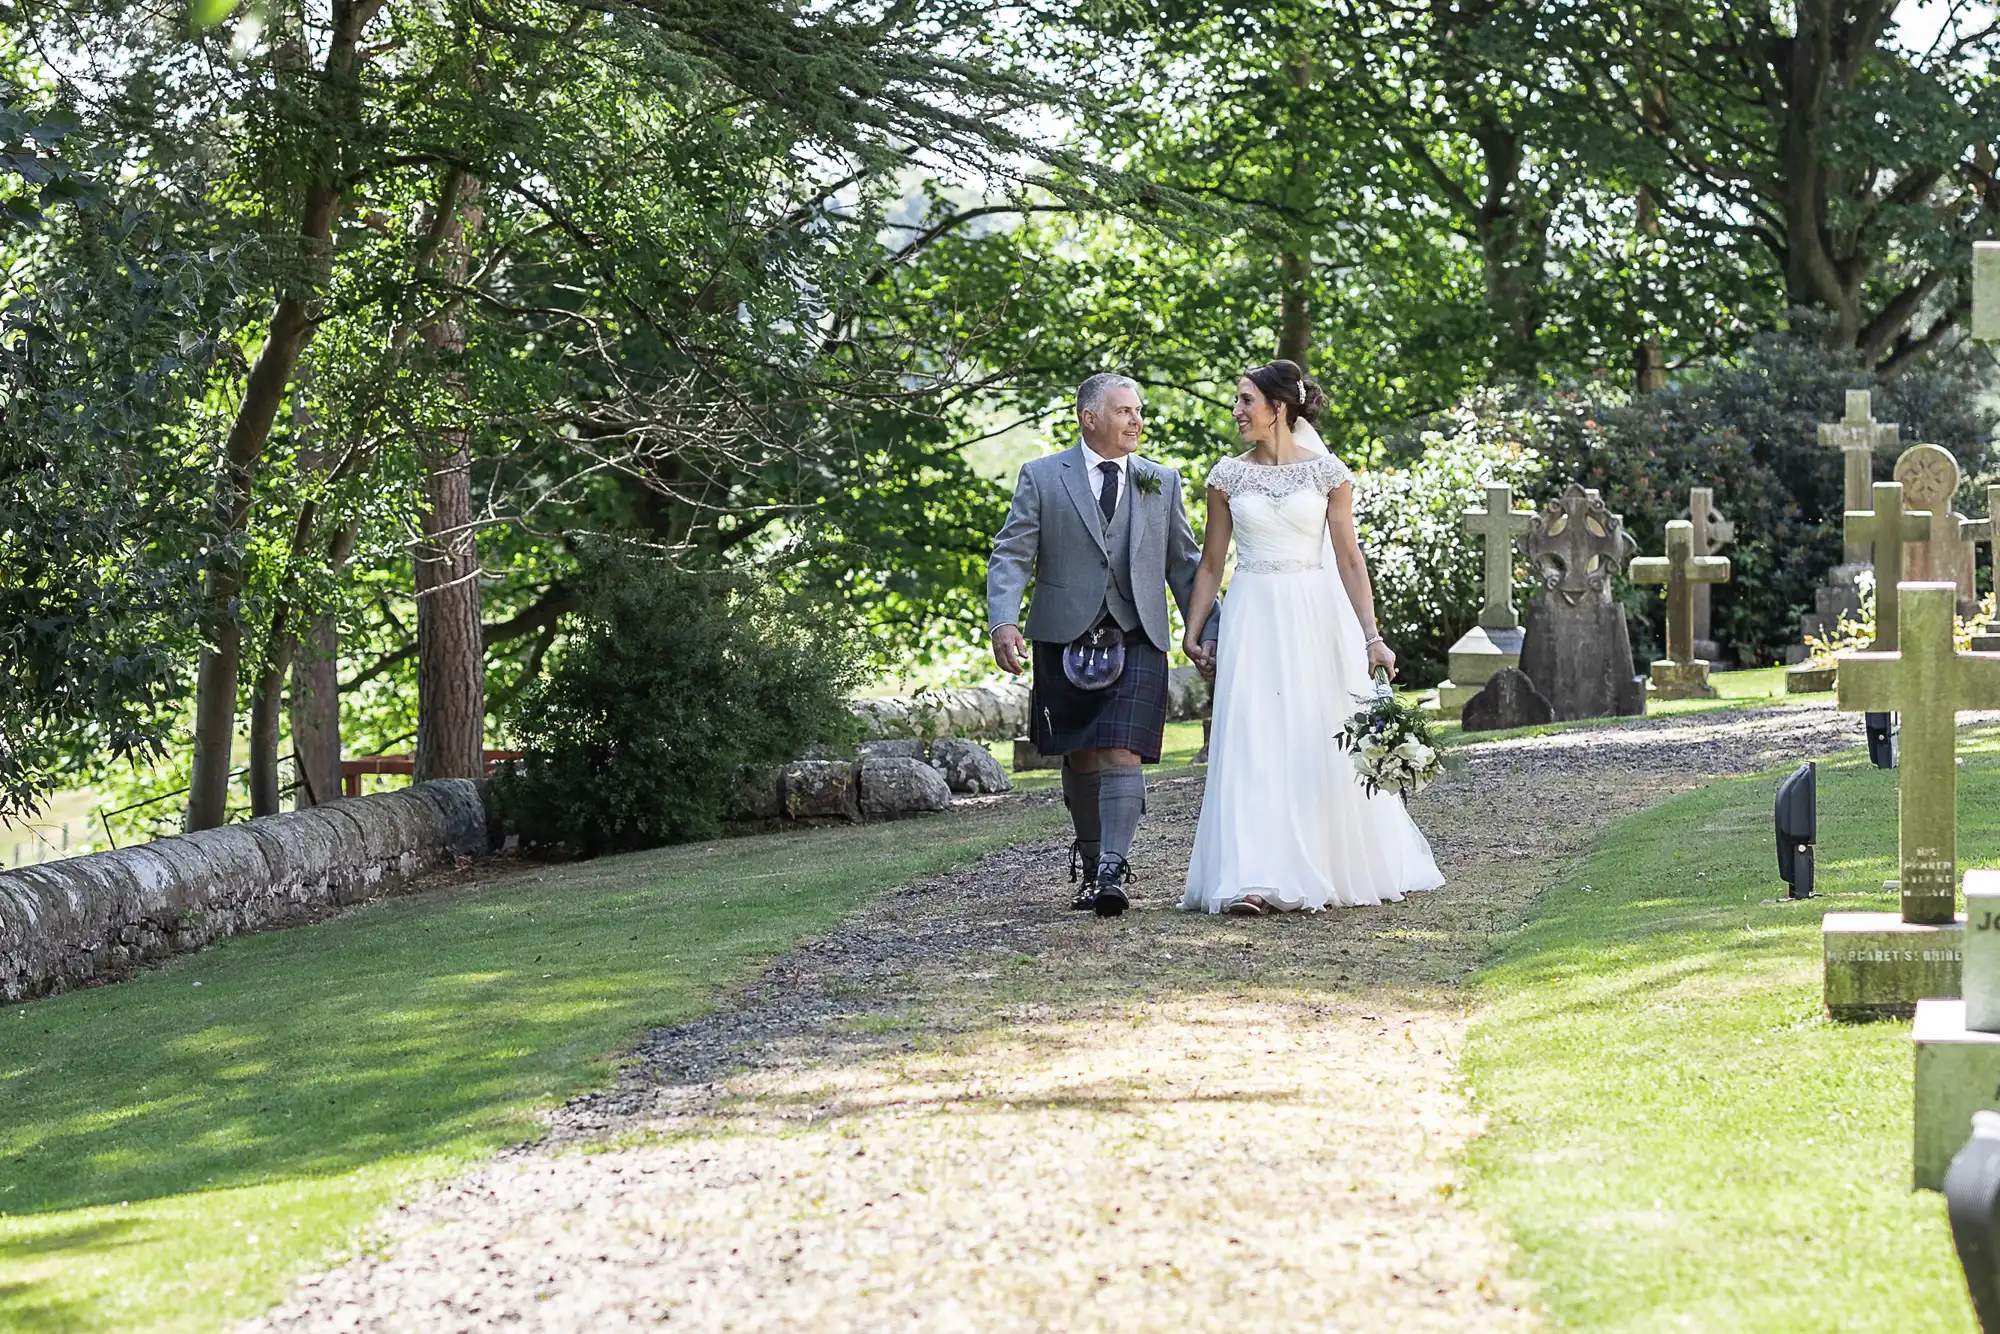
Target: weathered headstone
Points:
(1578, 648)
(1930, 477)
(1495, 642)
(1680, 675)
(1508, 699)
(1958, 1041)
(1883, 963)
(1712, 533)
(1883, 530)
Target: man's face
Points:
(1113, 430)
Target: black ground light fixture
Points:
(1972, 1199)
(1882, 731)
(1798, 828)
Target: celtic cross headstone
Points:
(1578, 649)
(1680, 675)
(1882, 531)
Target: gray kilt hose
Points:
(1087, 569)
(1129, 714)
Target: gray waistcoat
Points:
(1118, 586)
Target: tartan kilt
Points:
(1130, 714)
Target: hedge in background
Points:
(1751, 431)
(667, 683)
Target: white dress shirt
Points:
(1091, 460)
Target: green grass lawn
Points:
(1678, 1139)
(174, 1148)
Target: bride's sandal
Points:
(1248, 906)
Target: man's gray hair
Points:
(1090, 394)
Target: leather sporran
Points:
(1095, 660)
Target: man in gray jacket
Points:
(1103, 535)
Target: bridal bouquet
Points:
(1393, 745)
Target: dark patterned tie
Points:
(1107, 495)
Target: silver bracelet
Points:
(1376, 640)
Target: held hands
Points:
(1379, 655)
(1009, 649)
(1200, 652)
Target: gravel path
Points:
(971, 1109)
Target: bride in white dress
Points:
(1285, 822)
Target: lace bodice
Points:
(1237, 477)
(1279, 512)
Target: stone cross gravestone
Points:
(1495, 642)
(1857, 436)
(1884, 529)
(1712, 533)
(1577, 648)
(1957, 1045)
(1680, 675)
(1930, 477)
(1927, 682)
(1883, 963)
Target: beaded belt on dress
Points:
(1278, 566)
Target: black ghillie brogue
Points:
(1085, 899)
(1114, 873)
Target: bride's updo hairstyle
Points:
(1285, 382)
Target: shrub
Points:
(1425, 568)
(667, 682)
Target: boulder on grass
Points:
(968, 766)
(757, 794)
(901, 787)
(822, 789)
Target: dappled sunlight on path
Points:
(968, 1108)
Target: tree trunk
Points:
(267, 700)
(1649, 362)
(451, 661)
(1295, 313)
(293, 319)
(316, 714)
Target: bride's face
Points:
(1253, 412)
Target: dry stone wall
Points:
(64, 924)
(996, 712)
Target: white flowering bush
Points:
(1424, 566)
(1393, 744)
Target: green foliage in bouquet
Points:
(1394, 746)
(668, 683)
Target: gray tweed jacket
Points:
(1054, 536)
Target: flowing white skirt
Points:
(1284, 815)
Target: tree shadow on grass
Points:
(429, 1023)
